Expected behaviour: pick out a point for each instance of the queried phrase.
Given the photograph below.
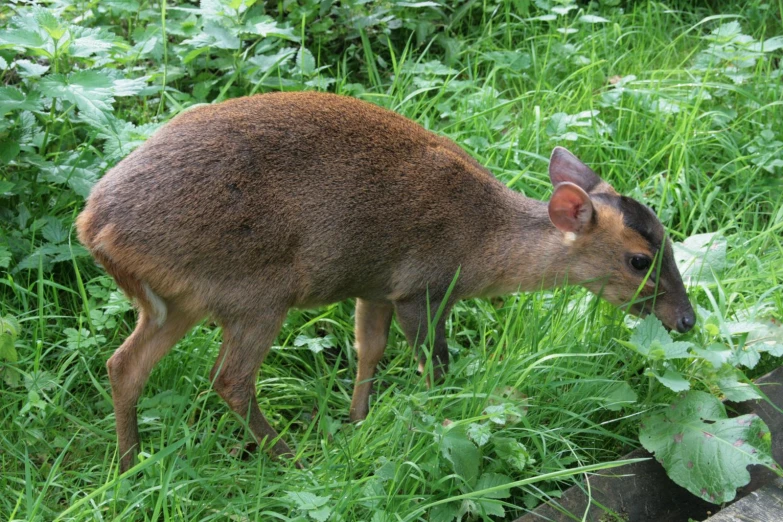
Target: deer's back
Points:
(314, 197)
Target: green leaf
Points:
(121, 137)
(129, 86)
(652, 340)
(672, 380)
(763, 335)
(79, 179)
(735, 390)
(90, 91)
(493, 480)
(222, 38)
(768, 45)
(28, 69)
(269, 27)
(9, 331)
(49, 23)
(512, 452)
(747, 356)
(513, 60)
(558, 123)
(479, 433)
(5, 257)
(444, 512)
(716, 354)
(307, 501)
(491, 508)
(88, 41)
(25, 32)
(618, 395)
(702, 450)
(648, 330)
(592, 19)
(12, 99)
(320, 514)
(700, 258)
(316, 344)
(430, 68)
(387, 470)
(305, 61)
(8, 151)
(497, 413)
(463, 455)
(726, 31)
(54, 231)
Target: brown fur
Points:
(242, 210)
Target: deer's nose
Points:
(686, 321)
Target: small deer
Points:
(242, 210)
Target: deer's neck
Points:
(527, 253)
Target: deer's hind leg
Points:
(246, 341)
(130, 366)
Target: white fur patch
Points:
(569, 238)
(159, 310)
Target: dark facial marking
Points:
(637, 217)
(641, 219)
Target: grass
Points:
(688, 140)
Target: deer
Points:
(242, 210)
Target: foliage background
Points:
(678, 104)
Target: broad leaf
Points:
(444, 512)
(316, 344)
(12, 99)
(90, 91)
(88, 41)
(763, 335)
(54, 231)
(593, 19)
(9, 331)
(490, 507)
(463, 455)
(479, 433)
(222, 38)
(672, 380)
(700, 258)
(307, 501)
(267, 26)
(618, 395)
(28, 69)
(702, 450)
(716, 354)
(729, 382)
(493, 481)
(305, 61)
(512, 452)
(652, 340)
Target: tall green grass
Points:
(534, 376)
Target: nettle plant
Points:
(701, 448)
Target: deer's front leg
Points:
(413, 318)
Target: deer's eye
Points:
(640, 262)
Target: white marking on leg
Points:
(159, 310)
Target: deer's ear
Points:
(570, 208)
(565, 167)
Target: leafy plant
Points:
(9, 331)
(314, 506)
(699, 446)
(702, 449)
